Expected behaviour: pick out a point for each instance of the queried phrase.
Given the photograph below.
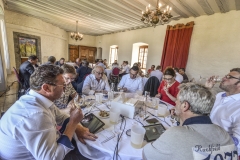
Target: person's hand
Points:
(210, 82)
(165, 89)
(172, 112)
(76, 115)
(83, 133)
(158, 95)
(124, 89)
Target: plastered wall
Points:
(54, 41)
(214, 48)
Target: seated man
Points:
(151, 69)
(115, 64)
(26, 70)
(28, 128)
(125, 68)
(185, 77)
(60, 62)
(196, 133)
(77, 63)
(157, 73)
(96, 82)
(226, 109)
(83, 71)
(51, 60)
(131, 82)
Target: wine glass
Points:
(112, 87)
(217, 79)
(76, 101)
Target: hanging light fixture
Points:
(76, 35)
(157, 16)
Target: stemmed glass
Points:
(173, 119)
(110, 98)
(217, 79)
(76, 101)
(112, 87)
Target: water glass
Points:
(98, 97)
(114, 115)
(162, 110)
(137, 136)
(155, 102)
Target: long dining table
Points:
(101, 150)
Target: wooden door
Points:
(73, 53)
(87, 53)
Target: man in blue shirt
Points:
(29, 129)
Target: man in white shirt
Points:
(226, 109)
(157, 73)
(125, 68)
(28, 130)
(96, 82)
(179, 77)
(131, 82)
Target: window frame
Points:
(144, 47)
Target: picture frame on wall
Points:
(26, 45)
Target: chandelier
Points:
(157, 16)
(76, 35)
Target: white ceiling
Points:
(98, 17)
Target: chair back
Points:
(115, 71)
(17, 75)
(151, 86)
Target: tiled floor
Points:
(10, 97)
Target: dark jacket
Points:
(82, 72)
(58, 63)
(151, 86)
(25, 71)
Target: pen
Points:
(145, 118)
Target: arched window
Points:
(113, 54)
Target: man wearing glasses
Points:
(96, 82)
(28, 129)
(226, 109)
(131, 82)
(196, 137)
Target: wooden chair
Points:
(21, 89)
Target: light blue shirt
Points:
(225, 113)
(91, 84)
(132, 85)
(28, 130)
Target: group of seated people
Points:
(30, 128)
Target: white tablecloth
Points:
(104, 151)
(108, 71)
